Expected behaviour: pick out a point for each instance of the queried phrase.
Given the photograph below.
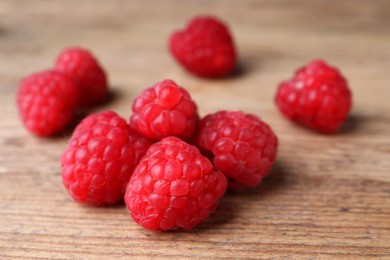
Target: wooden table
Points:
(327, 197)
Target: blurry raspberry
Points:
(47, 102)
(317, 97)
(205, 47)
(89, 76)
(173, 186)
(241, 145)
(100, 158)
(165, 109)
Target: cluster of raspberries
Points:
(169, 165)
(48, 100)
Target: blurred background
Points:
(130, 39)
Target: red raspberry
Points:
(317, 97)
(173, 186)
(47, 102)
(100, 158)
(89, 76)
(205, 47)
(163, 110)
(241, 145)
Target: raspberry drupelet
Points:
(165, 109)
(205, 47)
(240, 145)
(100, 158)
(47, 102)
(174, 186)
(88, 75)
(316, 97)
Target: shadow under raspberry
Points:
(243, 67)
(352, 123)
(112, 96)
(372, 124)
(234, 202)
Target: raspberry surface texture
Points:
(165, 109)
(87, 73)
(205, 47)
(100, 158)
(317, 97)
(240, 145)
(173, 186)
(47, 102)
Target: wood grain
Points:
(328, 197)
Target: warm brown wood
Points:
(328, 197)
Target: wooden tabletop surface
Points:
(327, 197)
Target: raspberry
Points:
(317, 97)
(241, 146)
(164, 110)
(173, 186)
(47, 102)
(204, 48)
(100, 158)
(89, 76)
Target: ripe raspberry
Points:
(241, 145)
(317, 97)
(100, 158)
(89, 76)
(165, 109)
(205, 47)
(173, 186)
(47, 102)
